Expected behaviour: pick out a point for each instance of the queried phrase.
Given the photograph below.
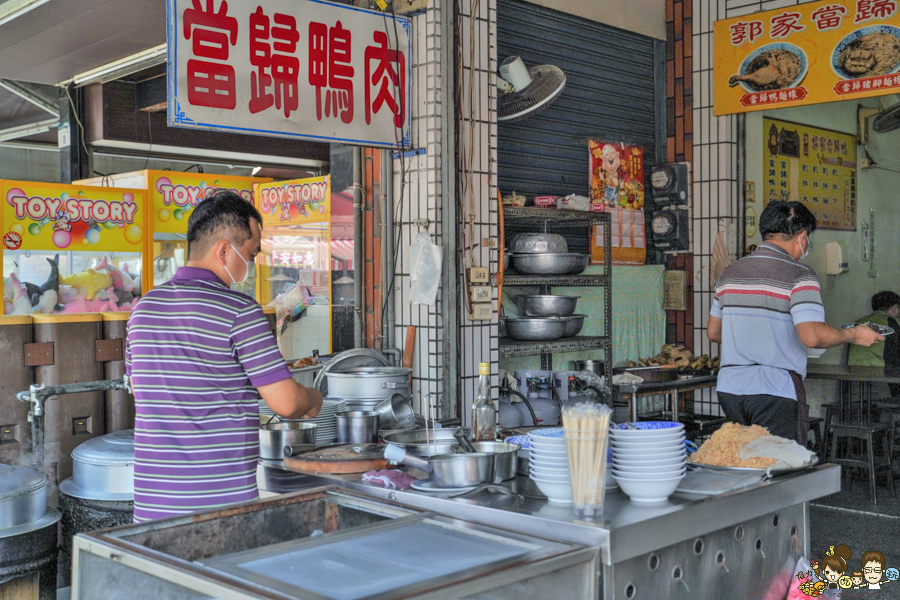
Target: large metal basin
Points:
(545, 305)
(536, 329)
(438, 441)
(539, 243)
(574, 324)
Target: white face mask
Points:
(808, 244)
(246, 265)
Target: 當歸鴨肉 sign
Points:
(289, 68)
(806, 54)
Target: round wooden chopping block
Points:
(349, 458)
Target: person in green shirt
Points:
(886, 307)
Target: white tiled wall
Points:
(422, 200)
(716, 155)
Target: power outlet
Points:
(481, 312)
(481, 293)
(478, 275)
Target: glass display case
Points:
(172, 197)
(72, 249)
(295, 263)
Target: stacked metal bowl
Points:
(545, 254)
(545, 317)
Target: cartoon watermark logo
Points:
(834, 572)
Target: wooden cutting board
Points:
(349, 458)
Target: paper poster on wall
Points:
(617, 175)
(814, 166)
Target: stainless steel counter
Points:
(625, 531)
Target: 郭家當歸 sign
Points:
(290, 68)
(806, 54)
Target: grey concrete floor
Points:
(850, 518)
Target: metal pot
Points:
(423, 442)
(597, 366)
(368, 382)
(505, 457)
(357, 427)
(396, 413)
(23, 496)
(574, 324)
(103, 468)
(536, 329)
(547, 264)
(449, 470)
(544, 305)
(274, 436)
(539, 243)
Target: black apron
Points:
(802, 406)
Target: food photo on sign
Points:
(71, 249)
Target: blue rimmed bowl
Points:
(801, 56)
(853, 37)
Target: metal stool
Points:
(866, 432)
(817, 446)
(891, 408)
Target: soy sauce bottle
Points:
(484, 413)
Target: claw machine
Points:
(172, 197)
(70, 249)
(296, 261)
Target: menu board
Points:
(814, 166)
(806, 54)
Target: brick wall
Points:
(680, 131)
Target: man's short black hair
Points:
(885, 300)
(785, 220)
(224, 214)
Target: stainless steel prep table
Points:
(740, 542)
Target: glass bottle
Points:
(484, 413)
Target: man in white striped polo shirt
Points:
(766, 313)
(199, 355)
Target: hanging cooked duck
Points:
(771, 70)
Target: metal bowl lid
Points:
(19, 481)
(372, 371)
(114, 449)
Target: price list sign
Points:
(814, 166)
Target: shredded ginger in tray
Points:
(723, 448)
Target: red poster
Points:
(617, 175)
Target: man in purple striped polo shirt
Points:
(199, 355)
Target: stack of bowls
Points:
(648, 459)
(549, 464)
(326, 432)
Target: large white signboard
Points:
(291, 68)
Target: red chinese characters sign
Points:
(289, 68)
(806, 54)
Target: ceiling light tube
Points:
(12, 9)
(20, 131)
(123, 67)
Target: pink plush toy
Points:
(83, 305)
(21, 304)
(121, 280)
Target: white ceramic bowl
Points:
(629, 454)
(554, 453)
(554, 446)
(673, 444)
(545, 468)
(649, 490)
(558, 492)
(647, 462)
(645, 435)
(548, 457)
(550, 477)
(651, 475)
(648, 428)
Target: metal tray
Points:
(771, 473)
